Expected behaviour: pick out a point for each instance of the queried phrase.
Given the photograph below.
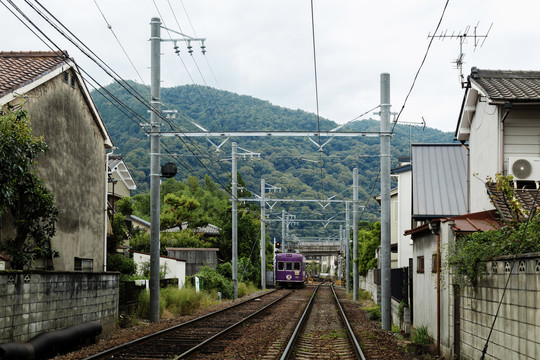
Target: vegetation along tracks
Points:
(181, 340)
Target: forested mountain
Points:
(290, 163)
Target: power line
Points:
(109, 26)
(316, 92)
(109, 71)
(421, 65)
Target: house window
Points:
(72, 83)
(434, 266)
(66, 77)
(420, 264)
(84, 264)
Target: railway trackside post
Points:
(234, 198)
(386, 315)
(355, 233)
(155, 41)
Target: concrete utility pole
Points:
(340, 258)
(234, 186)
(155, 73)
(355, 233)
(283, 230)
(263, 237)
(386, 315)
(347, 248)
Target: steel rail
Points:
(212, 338)
(119, 348)
(350, 334)
(288, 350)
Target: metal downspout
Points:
(438, 293)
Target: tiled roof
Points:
(526, 198)
(506, 85)
(20, 68)
(438, 180)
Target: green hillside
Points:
(282, 160)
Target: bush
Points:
(120, 263)
(421, 336)
(225, 270)
(186, 300)
(214, 281)
(246, 289)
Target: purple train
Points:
(290, 270)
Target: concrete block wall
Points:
(35, 302)
(516, 334)
(367, 283)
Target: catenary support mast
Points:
(155, 73)
(386, 315)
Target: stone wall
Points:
(516, 333)
(35, 302)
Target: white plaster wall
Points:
(484, 143)
(405, 247)
(176, 269)
(424, 285)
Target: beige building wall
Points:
(74, 169)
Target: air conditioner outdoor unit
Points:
(524, 168)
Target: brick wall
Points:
(516, 334)
(35, 302)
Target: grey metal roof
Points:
(507, 85)
(438, 180)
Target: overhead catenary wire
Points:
(98, 61)
(109, 26)
(316, 93)
(80, 45)
(420, 67)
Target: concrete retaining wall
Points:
(35, 302)
(517, 329)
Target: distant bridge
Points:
(317, 248)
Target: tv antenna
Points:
(478, 40)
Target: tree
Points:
(368, 242)
(34, 225)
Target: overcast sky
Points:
(263, 48)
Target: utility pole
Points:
(155, 73)
(340, 258)
(347, 248)
(355, 233)
(283, 230)
(386, 315)
(155, 173)
(234, 185)
(263, 237)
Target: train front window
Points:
(297, 266)
(289, 266)
(280, 265)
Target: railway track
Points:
(323, 331)
(180, 341)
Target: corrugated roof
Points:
(507, 85)
(439, 180)
(20, 68)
